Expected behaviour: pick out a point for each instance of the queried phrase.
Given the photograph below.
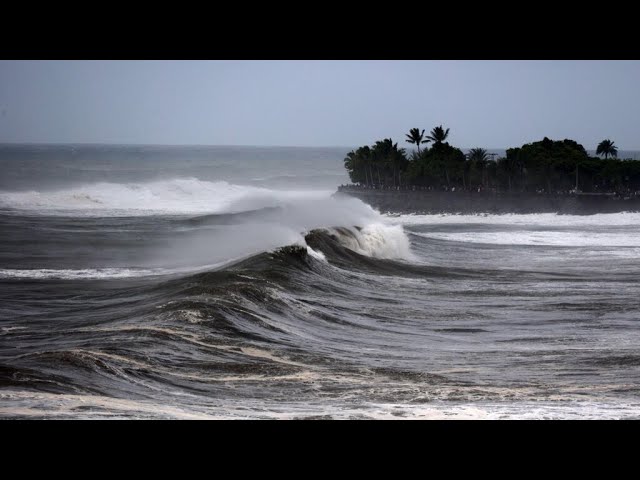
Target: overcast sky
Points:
(490, 104)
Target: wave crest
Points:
(376, 240)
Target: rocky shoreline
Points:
(465, 202)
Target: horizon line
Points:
(228, 145)
(171, 145)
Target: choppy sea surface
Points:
(228, 282)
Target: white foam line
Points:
(543, 219)
(16, 403)
(86, 273)
(543, 238)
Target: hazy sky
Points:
(489, 104)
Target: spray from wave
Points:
(231, 223)
(168, 197)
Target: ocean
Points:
(229, 283)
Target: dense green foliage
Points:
(381, 164)
(543, 166)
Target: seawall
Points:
(424, 201)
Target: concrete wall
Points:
(474, 202)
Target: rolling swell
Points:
(261, 328)
(259, 324)
(352, 322)
(192, 283)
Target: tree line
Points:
(545, 166)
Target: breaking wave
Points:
(169, 197)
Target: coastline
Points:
(466, 202)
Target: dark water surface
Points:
(226, 282)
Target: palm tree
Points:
(438, 135)
(512, 165)
(414, 136)
(356, 163)
(607, 148)
(478, 158)
(478, 155)
(387, 155)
